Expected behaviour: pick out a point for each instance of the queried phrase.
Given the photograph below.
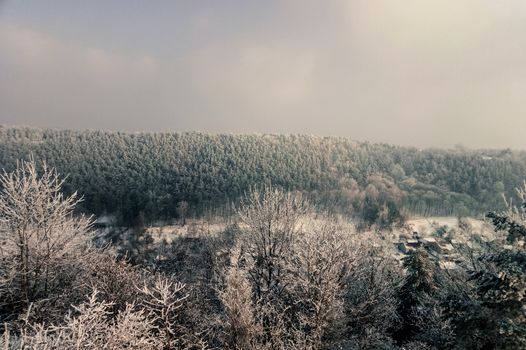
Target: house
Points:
(413, 243)
(455, 241)
(447, 265)
(431, 243)
(447, 247)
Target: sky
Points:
(425, 73)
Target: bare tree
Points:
(273, 222)
(236, 296)
(294, 268)
(91, 327)
(37, 231)
(318, 268)
(164, 300)
(182, 211)
(371, 292)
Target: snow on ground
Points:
(424, 226)
(193, 228)
(429, 225)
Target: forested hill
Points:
(149, 173)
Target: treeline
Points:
(285, 279)
(146, 175)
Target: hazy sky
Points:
(413, 72)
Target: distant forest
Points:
(149, 175)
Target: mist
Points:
(423, 73)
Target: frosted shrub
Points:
(91, 327)
(39, 236)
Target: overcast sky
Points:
(428, 73)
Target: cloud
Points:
(27, 49)
(258, 75)
(449, 71)
(418, 72)
(58, 81)
(49, 76)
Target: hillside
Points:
(146, 175)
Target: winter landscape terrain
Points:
(263, 175)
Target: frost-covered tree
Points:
(237, 298)
(272, 218)
(38, 233)
(317, 277)
(416, 293)
(490, 313)
(91, 326)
